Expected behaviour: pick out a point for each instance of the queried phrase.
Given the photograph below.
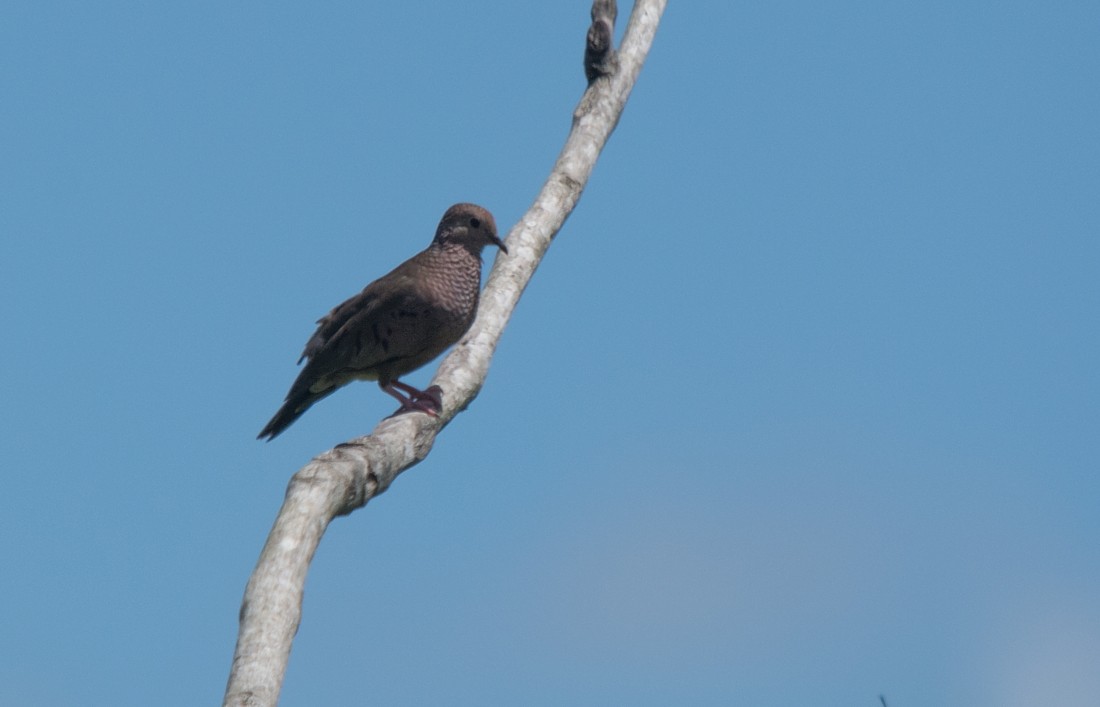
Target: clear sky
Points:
(801, 408)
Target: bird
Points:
(399, 322)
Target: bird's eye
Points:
(475, 223)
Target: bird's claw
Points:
(429, 401)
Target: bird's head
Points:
(469, 225)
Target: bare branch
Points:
(345, 478)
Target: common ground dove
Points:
(399, 322)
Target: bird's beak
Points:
(500, 244)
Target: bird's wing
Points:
(355, 335)
(334, 321)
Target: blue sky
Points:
(802, 406)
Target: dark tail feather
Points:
(291, 410)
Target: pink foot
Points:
(428, 401)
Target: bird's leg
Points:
(428, 401)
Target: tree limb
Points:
(343, 479)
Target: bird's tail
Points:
(296, 404)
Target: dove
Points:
(399, 322)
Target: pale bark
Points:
(343, 479)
